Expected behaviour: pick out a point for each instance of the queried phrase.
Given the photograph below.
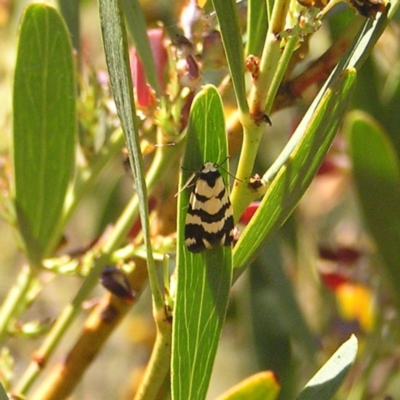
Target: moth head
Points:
(209, 167)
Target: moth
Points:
(209, 219)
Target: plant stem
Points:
(164, 156)
(27, 277)
(261, 98)
(269, 60)
(58, 330)
(87, 176)
(62, 380)
(283, 64)
(159, 363)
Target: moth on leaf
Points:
(209, 219)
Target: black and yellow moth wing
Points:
(209, 220)
(201, 235)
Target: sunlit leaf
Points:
(116, 50)
(44, 118)
(228, 19)
(330, 377)
(203, 279)
(318, 129)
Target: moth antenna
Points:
(188, 183)
(231, 175)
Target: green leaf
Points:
(257, 27)
(137, 27)
(203, 279)
(363, 44)
(376, 173)
(317, 129)
(70, 10)
(330, 377)
(273, 218)
(228, 20)
(261, 386)
(3, 394)
(44, 117)
(117, 58)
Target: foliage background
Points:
(328, 217)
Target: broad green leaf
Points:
(228, 20)
(203, 279)
(330, 377)
(261, 386)
(317, 129)
(44, 117)
(376, 171)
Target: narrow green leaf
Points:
(228, 20)
(376, 173)
(362, 46)
(137, 27)
(203, 279)
(116, 50)
(354, 58)
(117, 58)
(330, 377)
(360, 49)
(318, 129)
(44, 117)
(257, 27)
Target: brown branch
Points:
(100, 324)
(318, 72)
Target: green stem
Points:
(164, 156)
(273, 66)
(87, 176)
(269, 60)
(280, 72)
(159, 363)
(261, 98)
(58, 330)
(240, 192)
(28, 275)
(85, 179)
(16, 296)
